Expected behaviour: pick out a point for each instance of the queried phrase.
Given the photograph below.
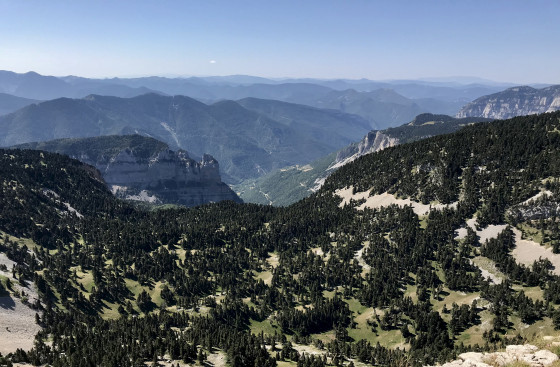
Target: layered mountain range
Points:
(246, 143)
(383, 104)
(516, 101)
(144, 169)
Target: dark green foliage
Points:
(215, 250)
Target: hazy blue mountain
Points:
(247, 144)
(516, 101)
(212, 88)
(322, 124)
(32, 85)
(9, 103)
(447, 90)
(35, 86)
(382, 108)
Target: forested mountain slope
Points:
(337, 278)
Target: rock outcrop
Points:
(168, 177)
(144, 169)
(528, 354)
(372, 142)
(517, 101)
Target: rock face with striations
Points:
(372, 142)
(144, 169)
(517, 101)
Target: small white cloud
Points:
(212, 61)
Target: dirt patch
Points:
(308, 349)
(217, 359)
(386, 199)
(273, 259)
(17, 325)
(483, 234)
(17, 321)
(527, 251)
(488, 269)
(360, 257)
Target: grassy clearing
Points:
(459, 298)
(530, 233)
(266, 327)
(410, 291)
(330, 294)
(85, 279)
(325, 337)
(110, 311)
(535, 293)
(286, 364)
(473, 335)
(538, 329)
(21, 241)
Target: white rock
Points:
(520, 350)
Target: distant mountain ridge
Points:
(32, 85)
(10, 103)
(516, 101)
(145, 169)
(416, 96)
(246, 143)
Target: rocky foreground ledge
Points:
(527, 354)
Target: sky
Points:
(503, 40)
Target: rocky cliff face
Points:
(517, 101)
(168, 177)
(372, 142)
(141, 168)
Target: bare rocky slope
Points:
(516, 101)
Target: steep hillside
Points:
(290, 184)
(516, 101)
(246, 143)
(409, 256)
(39, 187)
(145, 169)
(322, 124)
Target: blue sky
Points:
(503, 40)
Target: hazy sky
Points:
(504, 40)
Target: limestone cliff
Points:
(517, 101)
(144, 169)
(372, 142)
